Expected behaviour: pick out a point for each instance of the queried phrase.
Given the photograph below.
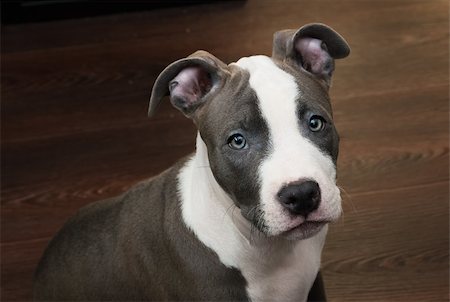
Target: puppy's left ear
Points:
(313, 48)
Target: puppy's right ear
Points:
(190, 82)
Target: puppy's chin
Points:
(296, 230)
(305, 230)
(293, 228)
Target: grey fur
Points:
(134, 248)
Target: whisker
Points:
(252, 213)
(232, 207)
(200, 167)
(347, 200)
(257, 227)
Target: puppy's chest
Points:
(277, 276)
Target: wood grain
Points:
(74, 129)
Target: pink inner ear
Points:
(190, 85)
(315, 57)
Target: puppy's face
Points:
(267, 124)
(270, 133)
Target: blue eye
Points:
(237, 141)
(316, 123)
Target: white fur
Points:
(276, 269)
(293, 157)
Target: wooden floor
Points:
(74, 129)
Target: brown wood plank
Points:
(74, 129)
(387, 251)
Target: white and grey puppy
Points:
(245, 217)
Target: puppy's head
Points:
(267, 124)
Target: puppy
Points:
(243, 218)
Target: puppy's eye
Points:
(237, 141)
(316, 123)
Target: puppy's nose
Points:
(300, 198)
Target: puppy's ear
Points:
(189, 82)
(313, 48)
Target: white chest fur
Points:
(283, 271)
(275, 269)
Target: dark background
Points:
(26, 11)
(74, 127)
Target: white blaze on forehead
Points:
(276, 91)
(292, 157)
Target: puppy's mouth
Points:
(296, 229)
(304, 230)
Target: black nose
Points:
(300, 198)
